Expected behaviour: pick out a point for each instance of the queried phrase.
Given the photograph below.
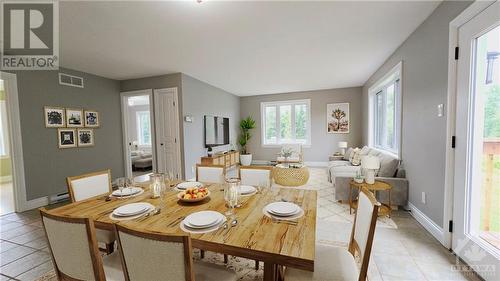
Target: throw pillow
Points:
(347, 154)
(365, 150)
(352, 153)
(388, 165)
(356, 158)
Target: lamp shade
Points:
(342, 144)
(370, 162)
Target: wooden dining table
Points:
(255, 236)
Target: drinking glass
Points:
(121, 183)
(231, 194)
(129, 182)
(157, 184)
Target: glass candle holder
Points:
(232, 194)
(157, 184)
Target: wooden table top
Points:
(377, 185)
(255, 236)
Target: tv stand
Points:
(227, 159)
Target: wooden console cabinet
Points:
(228, 159)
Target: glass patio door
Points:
(476, 209)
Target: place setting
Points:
(183, 186)
(132, 211)
(126, 189)
(247, 190)
(203, 222)
(283, 212)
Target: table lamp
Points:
(370, 164)
(342, 146)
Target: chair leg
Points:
(110, 248)
(202, 254)
(226, 259)
(256, 265)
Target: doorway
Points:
(476, 198)
(7, 202)
(138, 124)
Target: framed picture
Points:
(74, 118)
(91, 118)
(54, 117)
(337, 118)
(66, 138)
(85, 137)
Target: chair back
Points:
(89, 185)
(73, 247)
(256, 175)
(210, 173)
(363, 229)
(153, 256)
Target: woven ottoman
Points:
(288, 176)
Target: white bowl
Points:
(180, 194)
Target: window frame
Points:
(277, 105)
(139, 127)
(5, 129)
(394, 76)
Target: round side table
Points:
(385, 208)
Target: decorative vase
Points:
(245, 159)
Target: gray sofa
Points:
(341, 172)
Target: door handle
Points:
(161, 144)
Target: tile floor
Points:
(402, 250)
(6, 198)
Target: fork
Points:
(154, 212)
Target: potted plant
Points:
(246, 125)
(286, 153)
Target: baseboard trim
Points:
(36, 203)
(5, 179)
(434, 229)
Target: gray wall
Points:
(196, 98)
(46, 166)
(323, 144)
(159, 82)
(199, 99)
(425, 77)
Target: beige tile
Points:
(5, 245)
(430, 252)
(14, 254)
(25, 263)
(37, 272)
(17, 231)
(28, 237)
(390, 247)
(4, 278)
(442, 272)
(398, 267)
(373, 273)
(38, 243)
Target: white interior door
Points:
(476, 202)
(167, 131)
(138, 134)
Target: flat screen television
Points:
(216, 130)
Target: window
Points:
(286, 122)
(385, 112)
(143, 127)
(4, 141)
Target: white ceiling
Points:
(246, 48)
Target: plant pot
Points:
(245, 159)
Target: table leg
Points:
(390, 206)
(270, 271)
(350, 199)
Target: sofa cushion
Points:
(344, 171)
(365, 150)
(388, 165)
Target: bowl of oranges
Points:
(193, 194)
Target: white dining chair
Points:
(89, 185)
(154, 256)
(335, 263)
(256, 175)
(210, 173)
(75, 254)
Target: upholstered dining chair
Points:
(335, 263)
(144, 255)
(210, 173)
(89, 185)
(75, 254)
(256, 175)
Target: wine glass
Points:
(129, 183)
(121, 183)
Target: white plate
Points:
(247, 189)
(127, 191)
(203, 218)
(207, 226)
(282, 208)
(292, 217)
(284, 215)
(131, 209)
(184, 227)
(189, 184)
